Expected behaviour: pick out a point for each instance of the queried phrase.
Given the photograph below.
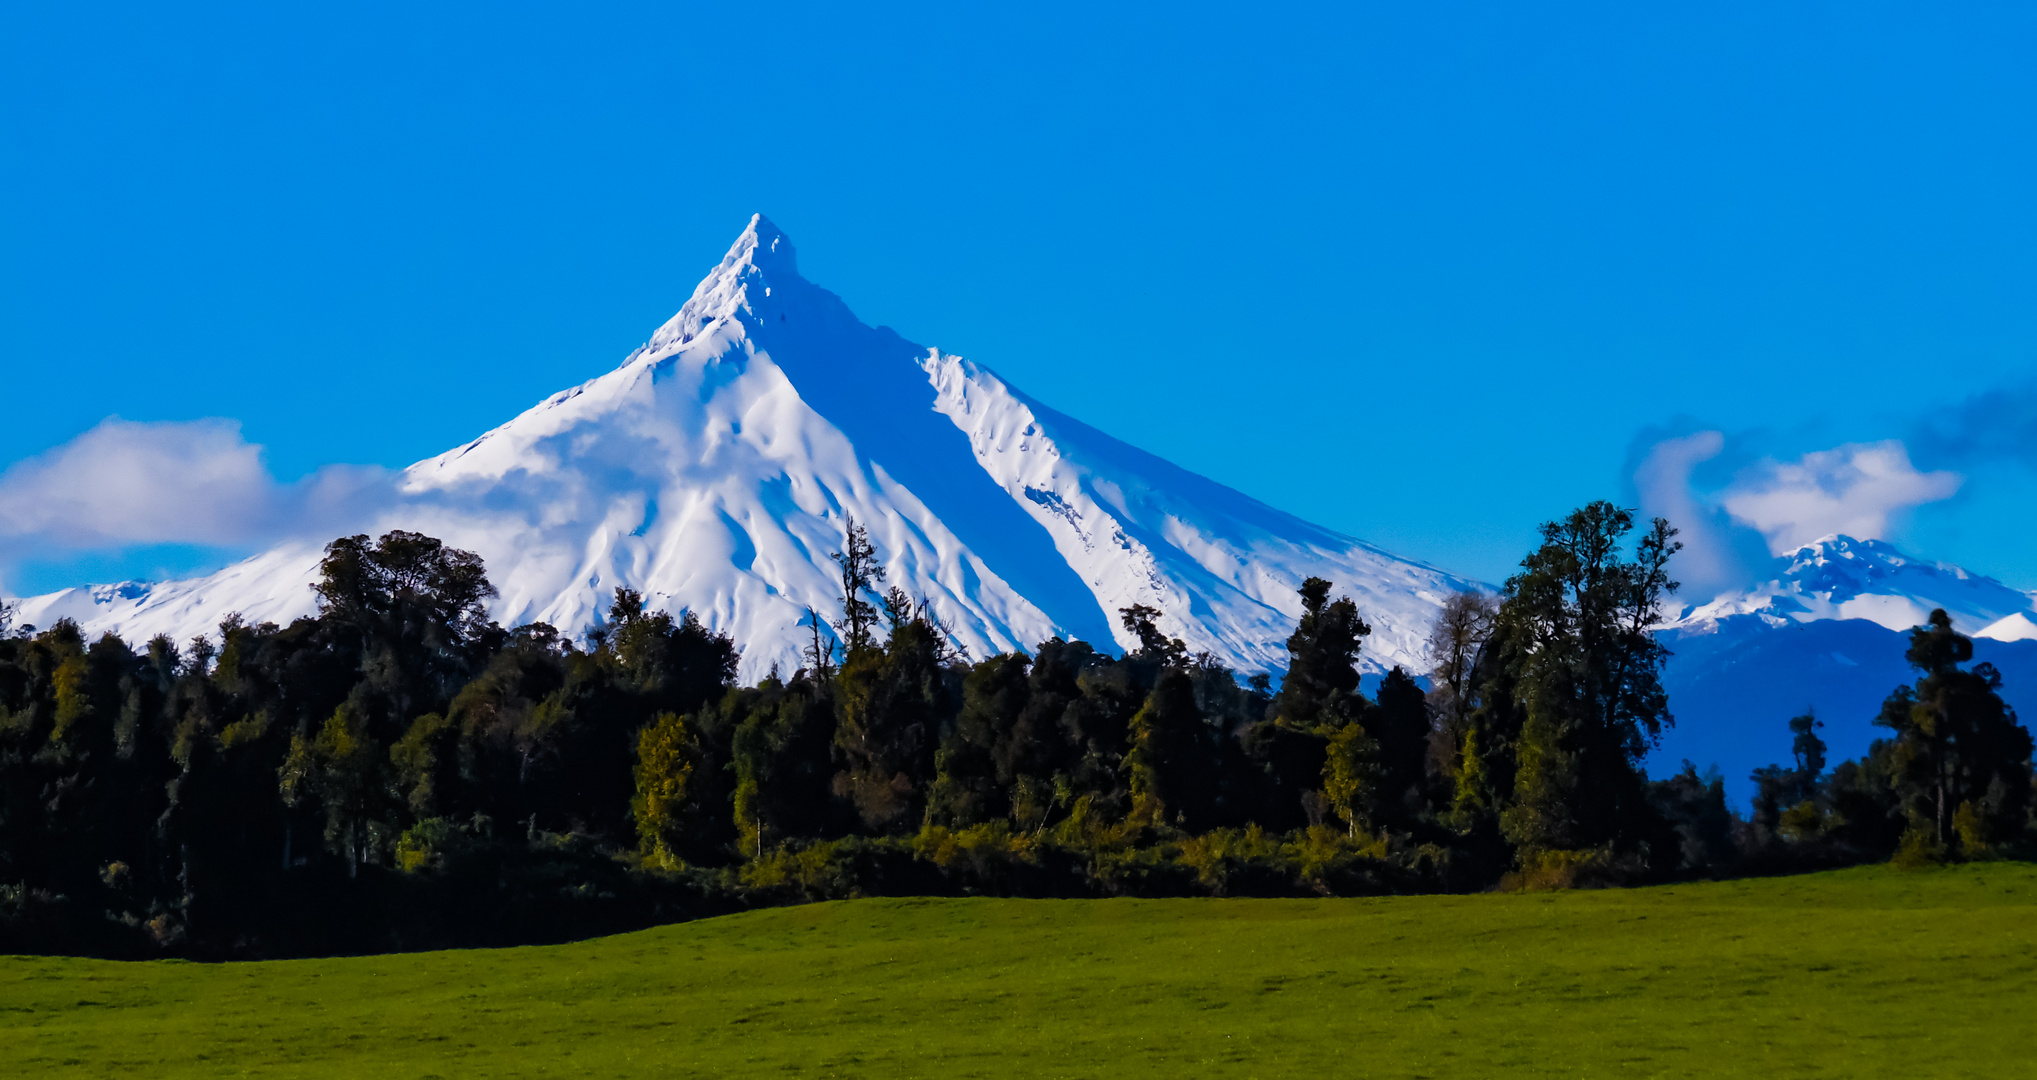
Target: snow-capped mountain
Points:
(715, 470)
(1826, 633)
(1839, 577)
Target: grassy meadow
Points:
(1866, 972)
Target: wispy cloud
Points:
(1737, 508)
(1709, 561)
(129, 483)
(125, 484)
(1994, 425)
(1853, 489)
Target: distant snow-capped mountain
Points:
(715, 470)
(1826, 633)
(1839, 577)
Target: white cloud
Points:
(1852, 489)
(130, 483)
(199, 482)
(1708, 561)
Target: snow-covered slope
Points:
(714, 471)
(1827, 633)
(1839, 577)
(274, 586)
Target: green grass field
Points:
(1865, 972)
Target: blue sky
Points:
(1428, 274)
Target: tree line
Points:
(400, 772)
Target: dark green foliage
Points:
(1573, 636)
(969, 785)
(781, 753)
(889, 707)
(1954, 781)
(1806, 747)
(1320, 689)
(399, 773)
(1778, 790)
(189, 799)
(1172, 757)
(1142, 622)
(1098, 724)
(1290, 748)
(1033, 737)
(412, 608)
(1401, 723)
(1695, 827)
(1960, 761)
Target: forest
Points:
(401, 773)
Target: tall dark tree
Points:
(1320, 689)
(1399, 720)
(1318, 697)
(647, 663)
(409, 611)
(1778, 789)
(506, 737)
(1143, 623)
(1694, 828)
(1574, 635)
(860, 575)
(1170, 762)
(1806, 747)
(1960, 758)
(674, 665)
(1096, 720)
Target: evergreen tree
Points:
(1320, 690)
(1807, 748)
(1401, 724)
(1168, 764)
(674, 665)
(1960, 759)
(1318, 697)
(1694, 826)
(1142, 622)
(991, 750)
(1096, 721)
(514, 727)
(860, 575)
(1778, 789)
(414, 609)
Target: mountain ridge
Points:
(715, 468)
(1839, 577)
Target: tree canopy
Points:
(400, 772)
